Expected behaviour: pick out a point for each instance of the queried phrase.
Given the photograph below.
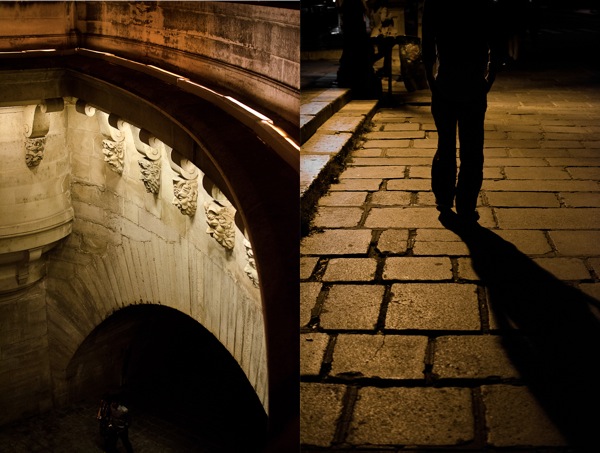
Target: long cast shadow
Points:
(558, 346)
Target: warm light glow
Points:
(251, 110)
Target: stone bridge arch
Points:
(163, 362)
(245, 164)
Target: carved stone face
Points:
(34, 151)
(186, 195)
(150, 175)
(113, 154)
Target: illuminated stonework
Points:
(220, 220)
(186, 195)
(150, 171)
(34, 151)
(250, 268)
(113, 154)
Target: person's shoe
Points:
(447, 217)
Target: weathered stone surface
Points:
(417, 268)
(514, 417)
(523, 199)
(336, 242)
(433, 307)
(391, 198)
(320, 408)
(328, 216)
(343, 199)
(472, 357)
(307, 265)
(352, 307)
(309, 291)
(381, 356)
(312, 350)
(350, 269)
(412, 416)
(373, 172)
(393, 241)
(576, 243)
(550, 218)
(564, 268)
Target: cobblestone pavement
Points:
(416, 338)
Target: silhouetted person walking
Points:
(461, 59)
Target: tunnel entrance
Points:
(164, 363)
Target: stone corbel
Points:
(37, 125)
(250, 268)
(220, 215)
(150, 148)
(84, 108)
(113, 144)
(185, 184)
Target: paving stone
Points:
(380, 356)
(393, 241)
(592, 290)
(329, 216)
(439, 306)
(310, 168)
(402, 218)
(312, 351)
(336, 242)
(412, 185)
(401, 126)
(386, 144)
(307, 265)
(584, 173)
(325, 143)
(472, 357)
(343, 199)
(465, 269)
(339, 123)
(309, 291)
(595, 263)
(549, 218)
(320, 408)
(576, 243)
(412, 416)
(581, 200)
(407, 161)
(395, 135)
(350, 269)
(514, 417)
(540, 186)
(410, 152)
(371, 172)
(417, 268)
(391, 198)
(356, 185)
(564, 268)
(523, 199)
(529, 242)
(352, 307)
(366, 153)
(448, 248)
(515, 162)
(536, 173)
(573, 162)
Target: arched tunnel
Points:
(163, 362)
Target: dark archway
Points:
(164, 363)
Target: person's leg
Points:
(470, 176)
(443, 167)
(125, 439)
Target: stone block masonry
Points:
(416, 337)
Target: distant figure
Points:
(460, 53)
(118, 427)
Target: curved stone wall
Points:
(250, 51)
(128, 246)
